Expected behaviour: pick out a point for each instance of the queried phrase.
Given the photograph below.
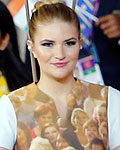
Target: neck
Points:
(54, 87)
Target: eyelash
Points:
(47, 44)
(70, 43)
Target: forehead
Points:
(96, 147)
(49, 113)
(51, 128)
(55, 28)
(91, 126)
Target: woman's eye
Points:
(47, 44)
(70, 43)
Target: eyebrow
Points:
(70, 39)
(46, 40)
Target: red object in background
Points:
(14, 6)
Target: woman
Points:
(78, 118)
(91, 132)
(43, 114)
(51, 132)
(55, 42)
(13, 72)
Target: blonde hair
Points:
(90, 122)
(73, 116)
(103, 124)
(47, 10)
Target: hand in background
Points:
(110, 24)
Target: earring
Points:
(81, 47)
(29, 48)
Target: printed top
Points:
(41, 127)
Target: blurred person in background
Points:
(13, 72)
(106, 34)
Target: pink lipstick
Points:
(60, 64)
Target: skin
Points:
(46, 118)
(52, 46)
(81, 118)
(96, 147)
(4, 42)
(110, 24)
(42, 120)
(91, 133)
(51, 134)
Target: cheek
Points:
(73, 54)
(46, 136)
(43, 56)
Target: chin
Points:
(61, 76)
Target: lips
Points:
(60, 64)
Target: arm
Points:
(110, 24)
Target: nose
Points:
(59, 52)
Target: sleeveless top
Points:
(41, 127)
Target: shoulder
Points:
(92, 90)
(21, 91)
(20, 95)
(92, 85)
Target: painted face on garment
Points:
(51, 134)
(45, 118)
(81, 118)
(56, 46)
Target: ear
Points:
(31, 47)
(81, 43)
(4, 42)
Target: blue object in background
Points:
(85, 22)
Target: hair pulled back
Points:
(46, 11)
